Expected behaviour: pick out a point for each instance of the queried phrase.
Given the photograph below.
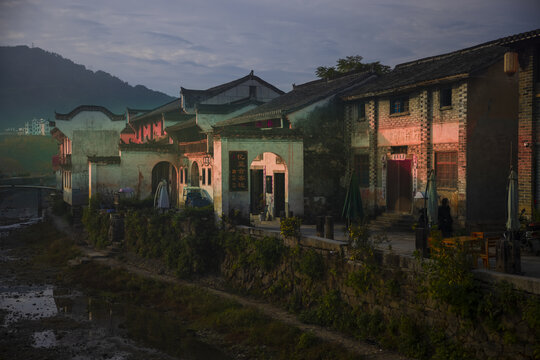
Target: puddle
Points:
(27, 303)
(44, 339)
(118, 330)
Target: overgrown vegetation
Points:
(290, 227)
(96, 222)
(307, 283)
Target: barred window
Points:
(446, 169)
(361, 166)
(399, 105)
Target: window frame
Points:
(403, 108)
(446, 169)
(361, 166)
(445, 93)
(361, 111)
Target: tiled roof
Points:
(251, 132)
(525, 36)
(300, 97)
(178, 116)
(226, 108)
(77, 110)
(104, 159)
(157, 147)
(170, 107)
(193, 97)
(459, 64)
(127, 130)
(181, 126)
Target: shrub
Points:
(290, 226)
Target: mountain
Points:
(35, 83)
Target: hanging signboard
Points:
(238, 171)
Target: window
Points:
(361, 166)
(361, 111)
(399, 105)
(445, 97)
(252, 91)
(181, 176)
(204, 176)
(185, 176)
(209, 171)
(446, 169)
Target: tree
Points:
(348, 64)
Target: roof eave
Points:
(406, 87)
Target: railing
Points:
(193, 147)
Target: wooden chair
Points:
(489, 244)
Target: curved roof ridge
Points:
(81, 108)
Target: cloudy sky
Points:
(165, 44)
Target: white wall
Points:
(291, 151)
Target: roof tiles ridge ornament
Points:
(81, 108)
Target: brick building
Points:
(526, 48)
(454, 113)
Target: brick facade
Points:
(414, 130)
(528, 120)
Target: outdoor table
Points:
(470, 244)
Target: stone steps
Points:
(393, 222)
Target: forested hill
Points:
(34, 83)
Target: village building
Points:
(311, 114)
(195, 136)
(522, 61)
(455, 114)
(170, 142)
(87, 133)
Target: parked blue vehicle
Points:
(196, 197)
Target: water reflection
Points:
(27, 302)
(103, 321)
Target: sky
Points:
(166, 44)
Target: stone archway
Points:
(194, 179)
(166, 170)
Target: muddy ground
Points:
(42, 318)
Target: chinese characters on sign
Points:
(238, 171)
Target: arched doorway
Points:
(165, 170)
(268, 185)
(194, 179)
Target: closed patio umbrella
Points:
(432, 200)
(161, 199)
(512, 223)
(352, 208)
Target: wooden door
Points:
(279, 193)
(399, 185)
